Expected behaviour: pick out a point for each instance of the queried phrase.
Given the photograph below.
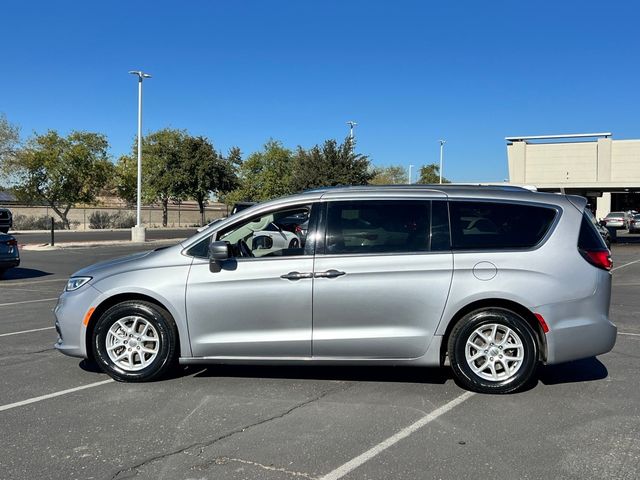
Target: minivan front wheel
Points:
(493, 350)
(135, 341)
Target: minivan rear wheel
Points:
(493, 350)
(135, 341)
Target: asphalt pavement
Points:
(62, 419)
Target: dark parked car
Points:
(239, 206)
(6, 220)
(9, 254)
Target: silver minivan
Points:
(491, 280)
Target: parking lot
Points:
(62, 419)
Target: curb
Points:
(92, 244)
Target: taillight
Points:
(298, 229)
(12, 243)
(598, 258)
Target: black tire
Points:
(294, 243)
(506, 382)
(167, 335)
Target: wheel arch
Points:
(515, 307)
(114, 300)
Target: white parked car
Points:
(617, 220)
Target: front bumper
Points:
(69, 313)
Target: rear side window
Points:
(377, 227)
(589, 238)
(496, 225)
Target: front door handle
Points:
(329, 274)
(296, 275)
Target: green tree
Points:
(9, 141)
(9, 138)
(125, 179)
(263, 175)
(391, 175)
(163, 169)
(206, 172)
(329, 165)
(61, 171)
(431, 174)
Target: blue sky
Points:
(409, 72)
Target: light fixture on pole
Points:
(351, 125)
(138, 232)
(442, 142)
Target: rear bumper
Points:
(582, 338)
(580, 328)
(9, 262)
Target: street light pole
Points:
(351, 125)
(442, 142)
(138, 232)
(410, 173)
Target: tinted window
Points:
(200, 249)
(590, 238)
(489, 225)
(377, 227)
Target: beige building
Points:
(604, 170)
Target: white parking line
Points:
(632, 334)
(37, 282)
(28, 301)
(624, 265)
(25, 331)
(351, 465)
(52, 395)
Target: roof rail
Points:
(429, 186)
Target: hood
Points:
(136, 261)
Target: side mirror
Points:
(262, 242)
(218, 253)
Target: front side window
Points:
(377, 227)
(494, 225)
(273, 234)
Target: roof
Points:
(450, 190)
(556, 137)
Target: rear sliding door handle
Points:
(296, 275)
(329, 274)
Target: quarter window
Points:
(494, 225)
(377, 227)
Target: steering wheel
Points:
(245, 251)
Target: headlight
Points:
(75, 283)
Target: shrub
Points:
(122, 220)
(99, 220)
(32, 222)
